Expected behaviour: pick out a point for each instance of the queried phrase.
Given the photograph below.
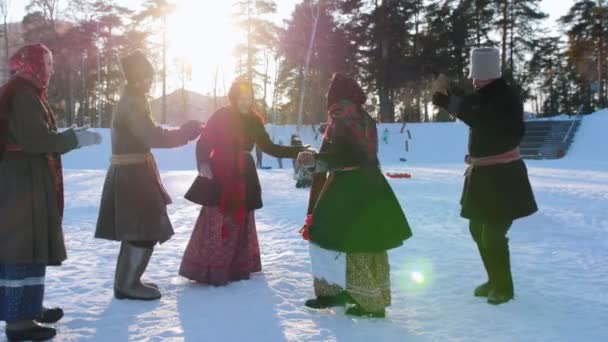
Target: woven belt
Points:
(12, 148)
(130, 159)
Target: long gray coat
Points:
(133, 205)
(30, 226)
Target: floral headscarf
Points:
(28, 63)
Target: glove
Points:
(441, 100)
(191, 129)
(456, 90)
(441, 84)
(86, 137)
(306, 159)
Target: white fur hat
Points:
(485, 64)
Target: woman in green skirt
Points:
(354, 217)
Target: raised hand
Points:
(441, 100)
(306, 159)
(191, 129)
(441, 84)
(86, 137)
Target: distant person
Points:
(134, 200)
(496, 189)
(385, 136)
(31, 193)
(224, 244)
(350, 233)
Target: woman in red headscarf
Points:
(224, 244)
(353, 215)
(31, 188)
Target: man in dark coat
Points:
(496, 189)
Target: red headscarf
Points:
(28, 65)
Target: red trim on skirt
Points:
(215, 258)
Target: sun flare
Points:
(204, 34)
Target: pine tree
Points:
(331, 52)
(253, 19)
(586, 51)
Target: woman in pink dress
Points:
(224, 244)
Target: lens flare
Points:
(415, 276)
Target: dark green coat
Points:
(500, 192)
(357, 211)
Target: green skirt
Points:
(358, 212)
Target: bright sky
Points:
(203, 32)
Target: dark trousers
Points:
(493, 244)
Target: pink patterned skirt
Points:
(217, 258)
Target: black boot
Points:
(50, 316)
(321, 302)
(324, 302)
(503, 290)
(484, 289)
(29, 331)
(358, 311)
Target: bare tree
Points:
(49, 9)
(159, 10)
(316, 13)
(4, 12)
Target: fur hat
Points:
(136, 67)
(485, 64)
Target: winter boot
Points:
(50, 316)
(503, 290)
(484, 289)
(28, 331)
(358, 311)
(324, 302)
(131, 264)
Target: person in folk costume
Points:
(31, 193)
(496, 188)
(134, 200)
(353, 214)
(224, 244)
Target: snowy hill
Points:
(435, 143)
(559, 256)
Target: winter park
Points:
(303, 170)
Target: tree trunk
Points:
(7, 53)
(313, 35)
(387, 107)
(505, 31)
(249, 45)
(600, 62)
(512, 39)
(164, 75)
(478, 22)
(275, 92)
(265, 103)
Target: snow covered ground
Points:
(560, 256)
